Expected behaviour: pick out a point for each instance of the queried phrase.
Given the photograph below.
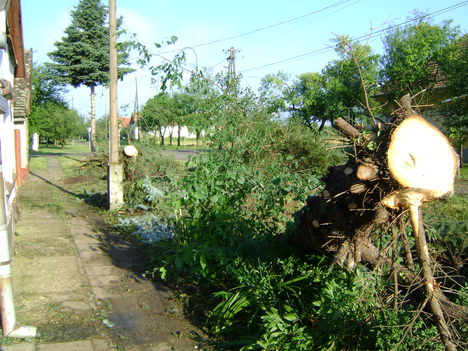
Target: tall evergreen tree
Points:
(82, 56)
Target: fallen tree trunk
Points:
(396, 168)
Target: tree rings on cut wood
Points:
(130, 151)
(357, 188)
(420, 156)
(367, 172)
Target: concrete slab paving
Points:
(72, 277)
(41, 275)
(18, 347)
(84, 345)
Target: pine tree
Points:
(82, 56)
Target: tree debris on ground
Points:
(392, 170)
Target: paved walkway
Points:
(79, 283)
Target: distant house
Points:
(124, 122)
(15, 102)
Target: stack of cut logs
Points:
(392, 170)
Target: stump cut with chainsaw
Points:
(392, 170)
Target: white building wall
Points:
(6, 119)
(184, 132)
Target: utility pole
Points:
(232, 62)
(115, 168)
(136, 114)
(232, 79)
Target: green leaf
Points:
(203, 262)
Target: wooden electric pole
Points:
(232, 62)
(115, 169)
(136, 114)
(232, 78)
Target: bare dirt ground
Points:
(79, 282)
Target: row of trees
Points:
(50, 117)
(189, 106)
(361, 85)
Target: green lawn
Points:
(76, 147)
(37, 164)
(463, 173)
(185, 144)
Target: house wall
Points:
(184, 132)
(7, 125)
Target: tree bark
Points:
(429, 281)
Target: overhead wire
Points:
(288, 21)
(319, 51)
(253, 41)
(365, 36)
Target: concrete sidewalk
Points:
(78, 282)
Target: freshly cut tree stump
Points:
(422, 160)
(396, 167)
(420, 156)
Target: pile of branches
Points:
(366, 196)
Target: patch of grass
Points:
(76, 147)
(463, 173)
(450, 210)
(185, 144)
(70, 164)
(38, 164)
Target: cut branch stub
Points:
(367, 172)
(346, 128)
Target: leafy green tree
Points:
(46, 91)
(203, 98)
(413, 57)
(274, 92)
(308, 103)
(102, 128)
(50, 117)
(82, 56)
(350, 81)
(455, 109)
(157, 114)
(184, 107)
(58, 123)
(343, 88)
(46, 87)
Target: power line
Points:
(220, 62)
(365, 36)
(291, 20)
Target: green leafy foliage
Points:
(231, 213)
(50, 117)
(82, 56)
(57, 123)
(412, 56)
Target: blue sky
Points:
(304, 26)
